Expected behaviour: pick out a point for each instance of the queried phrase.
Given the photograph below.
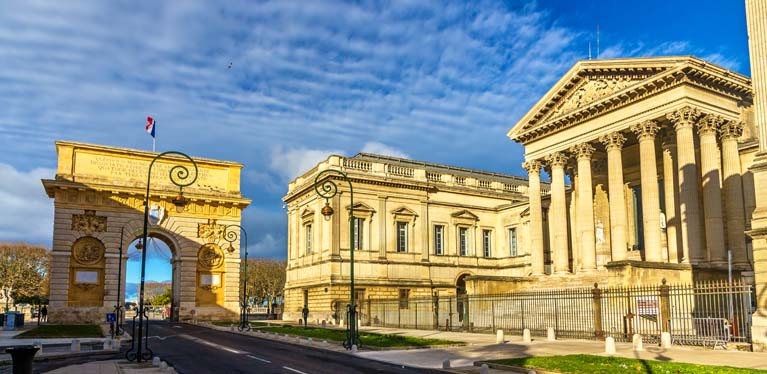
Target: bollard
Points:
(155, 361)
(75, 345)
(309, 340)
(550, 334)
(484, 369)
(446, 364)
(39, 345)
(354, 348)
(526, 336)
(499, 337)
(22, 358)
(636, 342)
(610, 345)
(116, 344)
(665, 340)
(163, 365)
(107, 344)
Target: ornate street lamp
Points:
(328, 189)
(232, 236)
(179, 176)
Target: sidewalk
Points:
(110, 367)
(483, 347)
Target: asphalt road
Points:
(193, 349)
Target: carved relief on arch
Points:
(88, 250)
(210, 256)
(89, 222)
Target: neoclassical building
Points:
(648, 161)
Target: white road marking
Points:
(198, 340)
(294, 370)
(259, 359)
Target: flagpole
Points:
(153, 143)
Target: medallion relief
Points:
(88, 250)
(210, 256)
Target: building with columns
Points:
(638, 170)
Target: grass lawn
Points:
(62, 331)
(587, 364)
(369, 339)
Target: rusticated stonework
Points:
(89, 222)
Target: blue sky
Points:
(439, 81)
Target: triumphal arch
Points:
(98, 194)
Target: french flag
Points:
(150, 125)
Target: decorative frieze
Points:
(89, 222)
(210, 231)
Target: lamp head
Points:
(327, 211)
(139, 246)
(180, 202)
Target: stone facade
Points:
(98, 197)
(648, 160)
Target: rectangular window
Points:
(463, 240)
(358, 225)
(486, 246)
(402, 237)
(404, 295)
(513, 242)
(308, 239)
(439, 240)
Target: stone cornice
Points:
(666, 74)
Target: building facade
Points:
(648, 161)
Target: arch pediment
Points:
(594, 87)
(465, 214)
(361, 207)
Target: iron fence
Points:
(693, 314)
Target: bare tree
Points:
(23, 271)
(153, 291)
(266, 280)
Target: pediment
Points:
(361, 207)
(465, 214)
(307, 213)
(404, 211)
(594, 87)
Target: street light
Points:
(232, 236)
(179, 176)
(328, 189)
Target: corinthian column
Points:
(614, 145)
(646, 132)
(671, 193)
(689, 209)
(585, 206)
(533, 168)
(558, 212)
(712, 190)
(733, 191)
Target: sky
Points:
(439, 81)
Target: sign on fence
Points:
(648, 305)
(111, 317)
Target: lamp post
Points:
(231, 236)
(328, 189)
(179, 176)
(118, 331)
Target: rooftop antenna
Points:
(597, 41)
(589, 49)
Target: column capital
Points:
(582, 151)
(646, 129)
(556, 159)
(532, 166)
(683, 117)
(709, 124)
(613, 141)
(668, 139)
(731, 130)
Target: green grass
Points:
(62, 331)
(369, 339)
(587, 364)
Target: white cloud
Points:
(267, 246)
(27, 212)
(291, 163)
(383, 149)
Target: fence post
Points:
(436, 311)
(596, 301)
(492, 311)
(416, 315)
(665, 306)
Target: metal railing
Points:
(685, 311)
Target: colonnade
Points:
(682, 183)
